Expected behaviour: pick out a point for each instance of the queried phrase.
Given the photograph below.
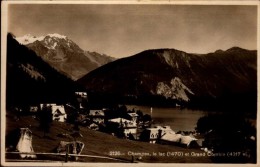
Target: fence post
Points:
(66, 156)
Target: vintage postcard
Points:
(129, 83)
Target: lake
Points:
(176, 118)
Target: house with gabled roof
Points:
(153, 135)
(58, 111)
(97, 116)
(179, 139)
(134, 116)
(128, 126)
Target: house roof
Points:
(118, 120)
(171, 137)
(187, 139)
(58, 108)
(154, 128)
(125, 122)
(178, 138)
(133, 114)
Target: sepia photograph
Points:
(128, 82)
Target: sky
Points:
(127, 29)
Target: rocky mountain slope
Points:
(222, 77)
(30, 80)
(64, 55)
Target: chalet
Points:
(167, 130)
(153, 135)
(134, 116)
(128, 126)
(150, 135)
(170, 138)
(178, 139)
(97, 116)
(123, 122)
(58, 112)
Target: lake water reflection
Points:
(178, 119)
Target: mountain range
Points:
(221, 78)
(45, 65)
(64, 55)
(30, 80)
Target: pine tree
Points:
(45, 116)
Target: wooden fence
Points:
(66, 156)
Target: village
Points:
(118, 121)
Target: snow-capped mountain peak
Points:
(55, 35)
(63, 54)
(27, 39)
